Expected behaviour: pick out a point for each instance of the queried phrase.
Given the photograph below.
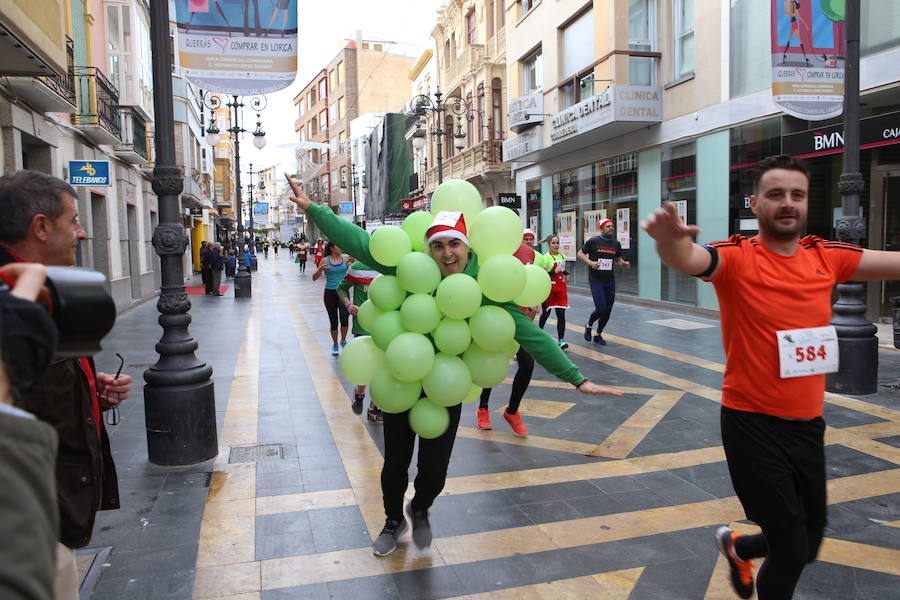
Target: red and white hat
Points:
(603, 223)
(447, 224)
(528, 233)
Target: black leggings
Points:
(560, 321)
(786, 551)
(434, 456)
(335, 309)
(519, 385)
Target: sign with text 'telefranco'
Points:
(808, 58)
(239, 47)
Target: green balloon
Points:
(367, 314)
(386, 328)
(409, 356)
(386, 293)
(458, 296)
(428, 419)
(415, 226)
(511, 348)
(452, 336)
(457, 195)
(835, 10)
(389, 244)
(474, 394)
(419, 313)
(448, 382)
(487, 368)
(502, 277)
(360, 359)
(537, 287)
(492, 328)
(418, 273)
(392, 395)
(496, 230)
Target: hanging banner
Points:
(565, 229)
(623, 227)
(808, 57)
(239, 47)
(592, 220)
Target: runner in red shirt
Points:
(774, 291)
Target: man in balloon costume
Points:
(433, 293)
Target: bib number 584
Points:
(810, 353)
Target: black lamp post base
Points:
(858, 374)
(181, 423)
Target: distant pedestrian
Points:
(600, 253)
(319, 251)
(334, 267)
(216, 264)
(275, 247)
(558, 299)
(205, 272)
(301, 255)
(231, 262)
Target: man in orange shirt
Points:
(774, 292)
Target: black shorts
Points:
(777, 467)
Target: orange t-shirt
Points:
(761, 292)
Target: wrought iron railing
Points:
(98, 100)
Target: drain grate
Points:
(242, 454)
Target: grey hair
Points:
(24, 194)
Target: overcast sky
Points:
(325, 25)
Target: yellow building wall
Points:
(388, 88)
(41, 24)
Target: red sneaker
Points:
(484, 419)
(515, 421)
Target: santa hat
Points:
(602, 224)
(447, 224)
(528, 233)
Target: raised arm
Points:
(877, 264)
(674, 242)
(352, 239)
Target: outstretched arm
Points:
(877, 264)
(674, 242)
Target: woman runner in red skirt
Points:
(559, 291)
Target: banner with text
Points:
(240, 47)
(808, 57)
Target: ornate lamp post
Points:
(421, 105)
(179, 399)
(858, 345)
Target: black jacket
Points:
(85, 473)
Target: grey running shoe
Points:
(356, 406)
(386, 542)
(421, 528)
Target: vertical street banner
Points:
(808, 47)
(565, 229)
(238, 47)
(592, 220)
(623, 227)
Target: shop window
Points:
(749, 144)
(683, 37)
(679, 186)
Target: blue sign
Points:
(345, 208)
(89, 172)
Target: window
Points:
(481, 115)
(311, 98)
(641, 34)
(323, 89)
(313, 127)
(471, 27)
(679, 185)
(683, 37)
(489, 18)
(449, 132)
(332, 113)
(576, 55)
(341, 108)
(302, 108)
(533, 73)
(340, 72)
(332, 82)
(501, 14)
(526, 6)
(497, 109)
(447, 56)
(469, 119)
(750, 62)
(343, 176)
(323, 120)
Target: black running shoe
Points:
(421, 528)
(587, 333)
(357, 403)
(741, 570)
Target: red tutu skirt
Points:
(559, 293)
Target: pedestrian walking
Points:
(449, 247)
(600, 253)
(275, 245)
(231, 262)
(319, 251)
(774, 292)
(356, 282)
(216, 264)
(205, 272)
(301, 255)
(558, 300)
(40, 225)
(334, 267)
(524, 362)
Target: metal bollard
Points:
(243, 283)
(895, 303)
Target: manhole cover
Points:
(242, 454)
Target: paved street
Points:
(607, 498)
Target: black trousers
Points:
(335, 309)
(434, 456)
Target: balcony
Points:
(133, 145)
(49, 93)
(483, 158)
(460, 67)
(496, 47)
(98, 107)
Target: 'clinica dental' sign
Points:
(635, 103)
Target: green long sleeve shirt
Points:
(355, 242)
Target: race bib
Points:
(812, 351)
(604, 264)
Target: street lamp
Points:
(421, 105)
(258, 104)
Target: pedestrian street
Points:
(606, 498)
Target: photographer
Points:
(40, 225)
(30, 523)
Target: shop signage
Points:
(89, 172)
(881, 130)
(196, 212)
(412, 203)
(524, 143)
(634, 103)
(509, 200)
(260, 209)
(526, 111)
(808, 58)
(345, 208)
